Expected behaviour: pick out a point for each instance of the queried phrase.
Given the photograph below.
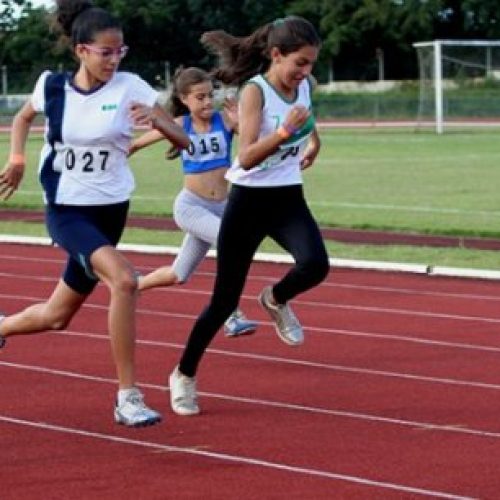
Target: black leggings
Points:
(252, 214)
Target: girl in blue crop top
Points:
(199, 206)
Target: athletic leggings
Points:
(200, 220)
(251, 214)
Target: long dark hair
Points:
(240, 58)
(80, 21)
(183, 80)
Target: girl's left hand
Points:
(230, 107)
(309, 156)
(142, 114)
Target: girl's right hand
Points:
(297, 116)
(10, 178)
(132, 149)
(142, 114)
(230, 107)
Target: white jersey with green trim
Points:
(87, 136)
(282, 168)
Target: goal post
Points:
(459, 68)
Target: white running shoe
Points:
(183, 397)
(287, 325)
(238, 324)
(134, 413)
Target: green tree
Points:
(9, 16)
(258, 12)
(170, 30)
(356, 31)
(28, 46)
(482, 18)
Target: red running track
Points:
(395, 393)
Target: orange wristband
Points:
(17, 159)
(283, 132)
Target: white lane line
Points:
(333, 331)
(329, 283)
(311, 364)
(267, 278)
(226, 457)
(324, 305)
(428, 426)
(307, 363)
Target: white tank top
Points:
(282, 168)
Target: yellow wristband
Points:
(283, 132)
(17, 159)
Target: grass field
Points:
(371, 178)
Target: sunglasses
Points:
(106, 52)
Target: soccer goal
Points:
(459, 83)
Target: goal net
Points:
(459, 83)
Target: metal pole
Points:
(167, 74)
(438, 86)
(379, 54)
(4, 80)
(488, 62)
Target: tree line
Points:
(359, 35)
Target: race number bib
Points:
(206, 147)
(92, 161)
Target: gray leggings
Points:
(200, 219)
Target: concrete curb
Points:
(415, 268)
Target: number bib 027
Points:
(83, 160)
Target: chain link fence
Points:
(401, 103)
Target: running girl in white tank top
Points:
(278, 140)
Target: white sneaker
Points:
(238, 324)
(134, 413)
(183, 397)
(287, 325)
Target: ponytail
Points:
(80, 21)
(240, 58)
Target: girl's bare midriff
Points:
(210, 185)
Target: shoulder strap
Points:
(187, 123)
(54, 105)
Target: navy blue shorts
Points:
(81, 230)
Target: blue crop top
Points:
(208, 150)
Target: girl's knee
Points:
(316, 269)
(125, 281)
(323, 269)
(58, 319)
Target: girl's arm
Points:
(13, 172)
(311, 151)
(165, 124)
(252, 150)
(230, 114)
(161, 121)
(146, 139)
